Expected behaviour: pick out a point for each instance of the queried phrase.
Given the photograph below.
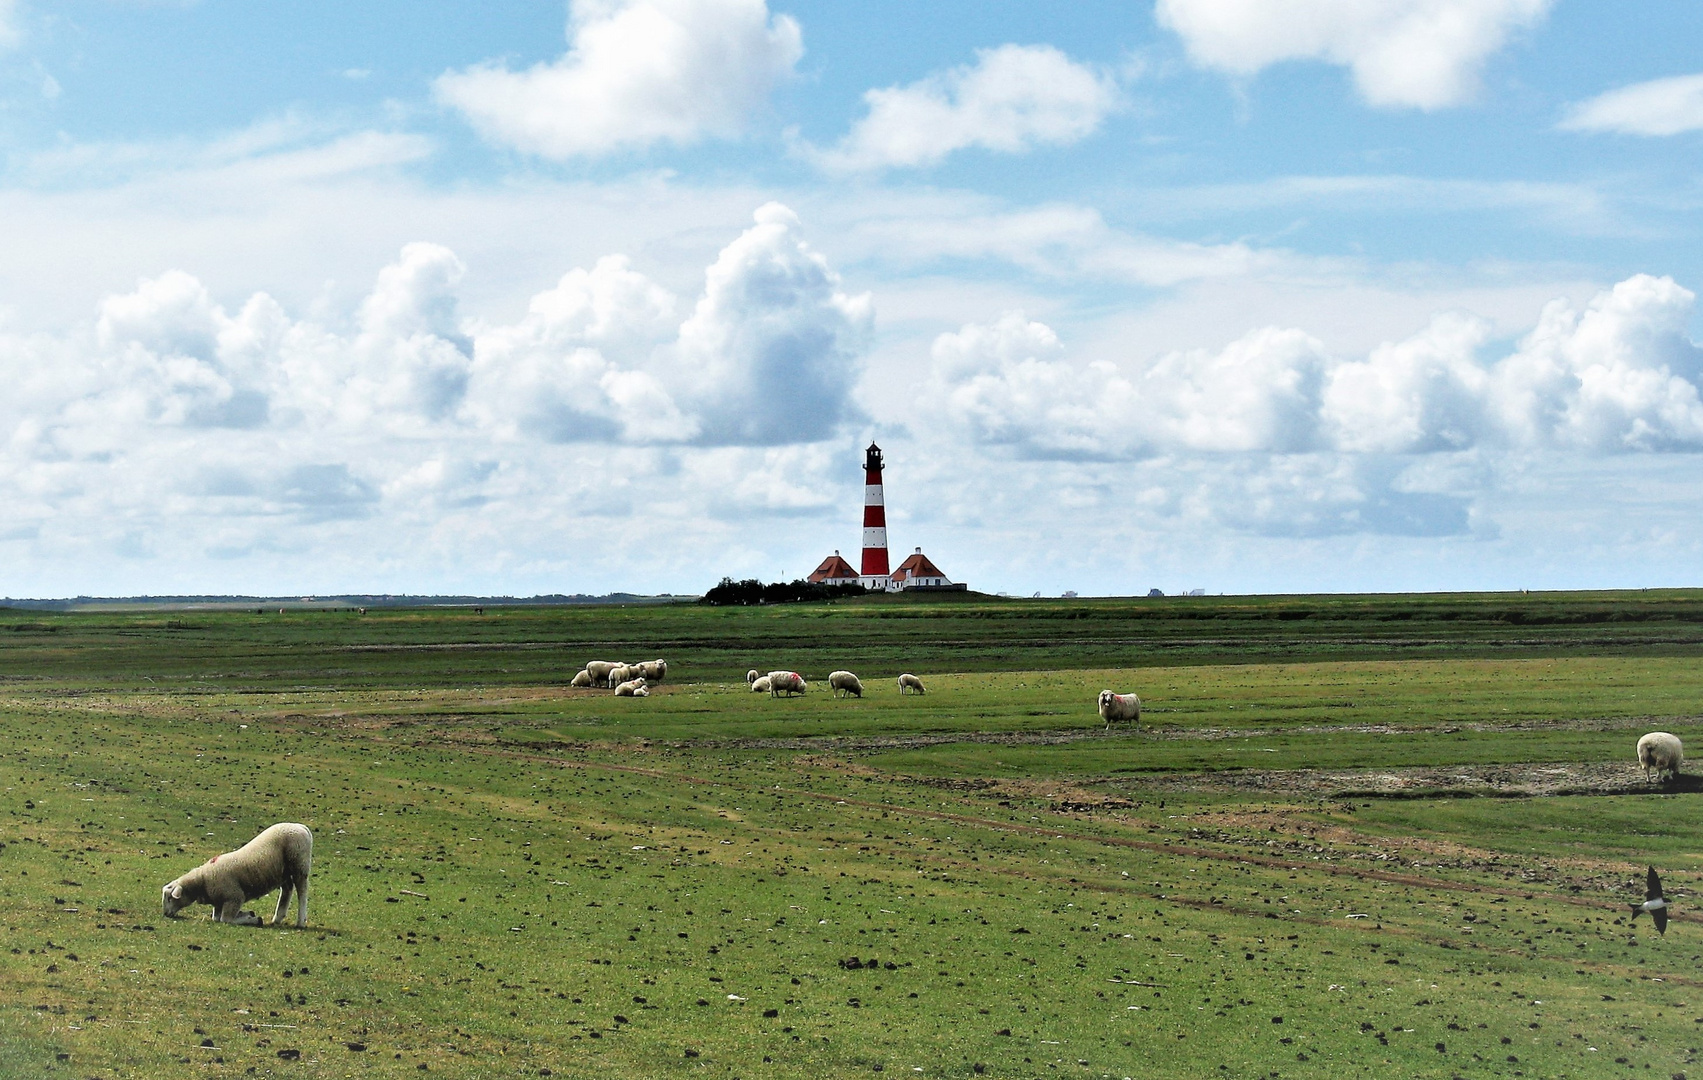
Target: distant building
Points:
(834, 571)
(918, 571)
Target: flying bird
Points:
(1654, 902)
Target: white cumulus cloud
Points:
(636, 73)
(1012, 99)
(1423, 54)
(1619, 376)
(1658, 107)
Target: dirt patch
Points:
(1423, 782)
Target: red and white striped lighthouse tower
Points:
(874, 520)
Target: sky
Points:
(420, 296)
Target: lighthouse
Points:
(915, 573)
(874, 571)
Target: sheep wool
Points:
(654, 671)
(599, 671)
(630, 687)
(582, 679)
(786, 682)
(760, 685)
(752, 676)
(280, 857)
(1124, 707)
(908, 683)
(845, 684)
(1662, 752)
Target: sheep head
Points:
(172, 899)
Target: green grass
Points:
(504, 868)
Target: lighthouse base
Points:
(878, 582)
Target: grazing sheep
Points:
(1662, 752)
(582, 679)
(760, 685)
(908, 682)
(1119, 707)
(786, 682)
(599, 671)
(654, 670)
(751, 676)
(847, 682)
(630, 687)
(280, 857)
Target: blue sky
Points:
(533, 297)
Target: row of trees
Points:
(750, 592)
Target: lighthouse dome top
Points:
(872, 457)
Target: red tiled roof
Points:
(918, 566)
(833, 568)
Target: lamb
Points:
(641, 692)
(599, 671)
(620, 674)
(654, 671)
(582, 679)
(281, 856)
(1119, 707)
(786, 682)
(1662, 752)
(751, 676)
(631, 687)
(907, 683)
(847, 682)
(760, 685)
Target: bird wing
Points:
(1661, 916)
(1652, 885)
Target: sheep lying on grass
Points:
(582, 679)
(786, 682)
(642, 692)
(280, 857)
(760, 685)
(845, 684)
(630, 687)
(1662, 752)
(1119, 707)
(908, 682)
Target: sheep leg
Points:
(301, 902)
(231, 912)
(283, 902)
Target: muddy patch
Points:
(1422, 782)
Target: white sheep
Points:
(909, 682)
(620, 674)
(1662, 752)
(599, 671)
(845, 681)
(641, 692)
(751, 676)
(1119, 707)
(760, 685)
(786, 682)
(280, 857)
(582, 679)
(654, 670)
(630, 687)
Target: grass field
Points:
(1354, 836)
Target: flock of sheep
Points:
(282, 855)
(627, 680)
(842, 683)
